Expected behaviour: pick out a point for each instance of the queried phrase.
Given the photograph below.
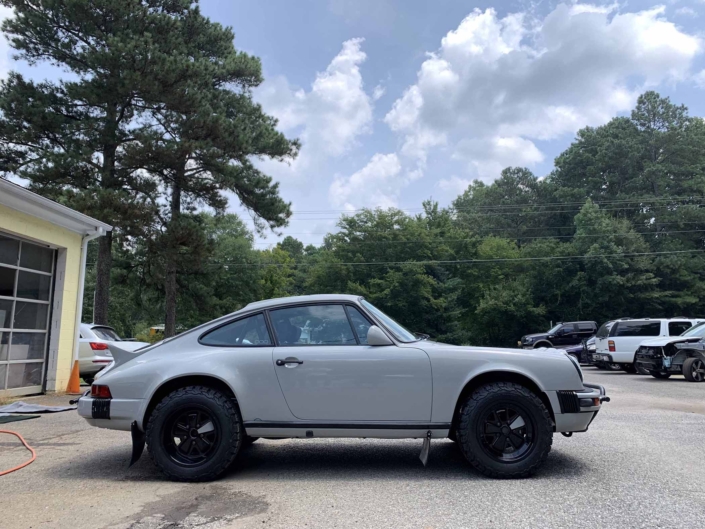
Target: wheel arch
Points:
(490, 377)
(178, 382)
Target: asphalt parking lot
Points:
(640, 465)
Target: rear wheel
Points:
(505, 431)
(629, 368)
(660, 374)
(194, 434)
(694, 370)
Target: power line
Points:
(511, 206)
(415, 241)
(458, 261)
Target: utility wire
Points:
(416, 241)
(450, 262)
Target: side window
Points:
(586, 327)
(360, 324)
(568, 329)
(247, 332)
(312, 325)
(636, 328)
(676, 328)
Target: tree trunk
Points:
(170, 284)
(105, 243)
(102, 280)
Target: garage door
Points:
(26, 275)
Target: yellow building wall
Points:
(32, 228)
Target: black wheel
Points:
(88, 379)
(543, 344)
(694, 370)
(194, 434)
(629, 368)
(505, 431)
(660, 374)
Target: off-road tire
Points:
(629, 368)
(223, 407)
(688, 369)
(660, 375)
(470, 417)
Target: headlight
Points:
(527, 340)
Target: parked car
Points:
(625, 337)
(663, 357)
(596, 359)
(561, 334)
(93, 348)
(335, 366)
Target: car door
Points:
(327, 372)
(566, 335)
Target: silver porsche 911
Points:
(335, 366)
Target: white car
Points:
(94, 348)
(626, 335)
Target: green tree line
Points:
(615, 230)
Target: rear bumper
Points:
(114, 414)
(575, 411)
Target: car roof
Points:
(299, 299)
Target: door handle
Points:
(289, 360)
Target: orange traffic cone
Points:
(74, 387)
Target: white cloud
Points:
(686, 12)
(376, 185)
(699, 79)
(378, 92)
(496, 85)
(333, 113)
(454, 185)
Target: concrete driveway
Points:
(640, 465)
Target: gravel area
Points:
(638, 466)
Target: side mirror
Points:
(375, 336)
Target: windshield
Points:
(106, 333)
(697, 331)
(399, 332)
(555, 328)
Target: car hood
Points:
(534, 336)
(665, 340)
(429, 347)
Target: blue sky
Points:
(396, 101)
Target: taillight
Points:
(99, 346)
(100, 392)
(610, 344)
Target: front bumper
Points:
(114, 414)
(577, 408)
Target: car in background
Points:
(626, 335)
(561, 334)
(663, 357)
(94, 349)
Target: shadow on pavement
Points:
(319, 460)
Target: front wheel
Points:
(194, 434)
(694, 370)
(505, 431)
(660, 375)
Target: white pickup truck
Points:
(625, 336)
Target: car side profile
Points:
(560, 335)
(335, 366)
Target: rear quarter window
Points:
(636, 328)
(604, 330)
